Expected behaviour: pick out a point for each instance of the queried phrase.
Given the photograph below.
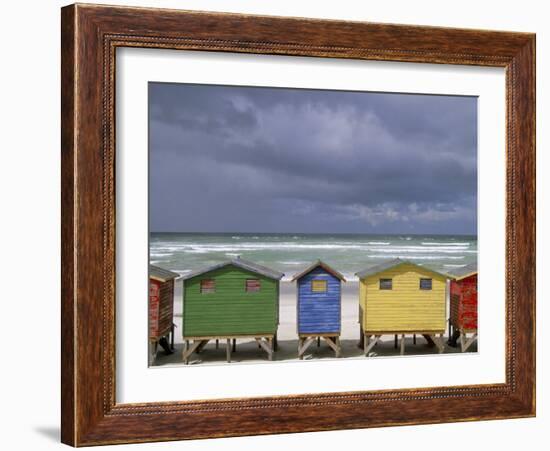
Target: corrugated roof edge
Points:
(373, 270)
(316, 264)
(240, 263)
(466, 271)
(158, 273)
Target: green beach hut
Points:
(228, 301)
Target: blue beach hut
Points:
(318, 308)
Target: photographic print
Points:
(292, 224)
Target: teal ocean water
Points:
(185, 252)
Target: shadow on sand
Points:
(248, 351)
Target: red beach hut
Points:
(463, 306)
(161, 309)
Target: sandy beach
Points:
(248, 351)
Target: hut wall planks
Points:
(464, 303)
(319, 311)
(405, 307)
(161, 308)
(230, 309)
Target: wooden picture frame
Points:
(90, 36)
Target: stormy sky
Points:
(245, 159)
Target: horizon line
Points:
(316, 233)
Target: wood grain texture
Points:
(68, 238)
(90, 36)
(319, 312)
(404, 308)
(229, 309)
(463, 303)
(161, 308)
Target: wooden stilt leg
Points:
(414, 339)
(370, 345)
(402, 352)
(152, 355)
(185, 349)
(234, 344)
(334, 343)
(201, 346)
(217, 343)
(304, 345)
(172, 338)
(441, 346)
(318, 342)
(266, 345)
(438, 341)
(465, 342)
(331, 341)
(300, 342)
(228, 350)
(395, 341)
(275, 343)
(361, 338)
(188, 350)
(429, 340)
(339, 347)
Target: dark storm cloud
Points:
(275, 160)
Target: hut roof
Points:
(372, 270)
(465, 271)
(318, 264)
(161, 274)
(239, 263)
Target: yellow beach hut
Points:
(399, 297)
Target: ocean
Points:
(289, 253)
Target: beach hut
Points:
(399, 297)
(318, 306)
(463, 306)
(161, 309)
(228, 301)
